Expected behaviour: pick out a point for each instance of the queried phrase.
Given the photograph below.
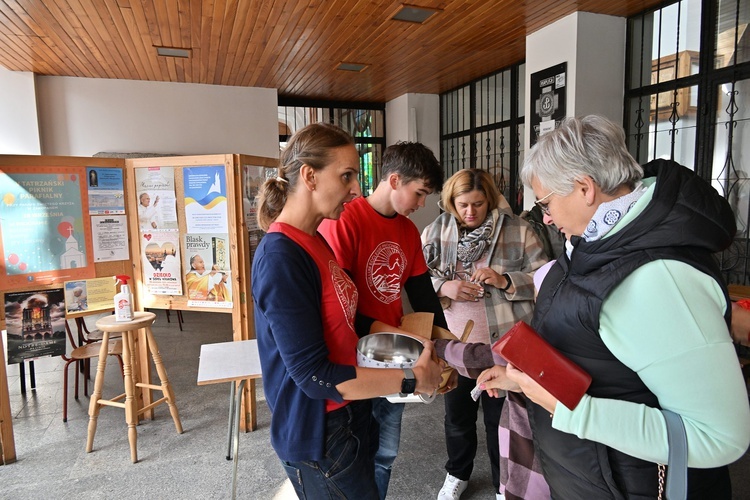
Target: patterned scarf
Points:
(473, 243)
(609, 214)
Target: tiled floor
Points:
(52, 461)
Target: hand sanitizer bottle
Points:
(123, 300)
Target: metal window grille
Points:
(364, 121)
(482, 127)
(687, 89)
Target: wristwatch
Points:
(507, 286)
(408, 384)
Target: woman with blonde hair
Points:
(481, 258)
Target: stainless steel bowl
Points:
(388, 350)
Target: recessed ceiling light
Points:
(356, 67)
(172, 52)
(413, 14)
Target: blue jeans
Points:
(347, 470)
(388, 415)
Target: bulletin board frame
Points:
(240, 255)
(63, 165)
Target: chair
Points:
(82, 354)
(87, 337)
(84, 335)
(179, 318)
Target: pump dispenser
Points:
(123, 300)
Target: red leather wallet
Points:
(530, 353)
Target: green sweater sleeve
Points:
(665, 322)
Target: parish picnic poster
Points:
(45, 236)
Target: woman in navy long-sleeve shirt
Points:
(305, 305)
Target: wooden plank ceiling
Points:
(291, 45)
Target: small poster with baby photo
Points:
(94, 294)
(76, 299)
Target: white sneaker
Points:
(452, 488)
(499, 496)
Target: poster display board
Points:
(48, 205)
(215, 202)
(201, 261)
(253, 178)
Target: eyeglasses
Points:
(544, 207)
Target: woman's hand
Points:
(427, 370)
(461, 290)
(452, 382)
(533, 391)
(489, 276)
(495, 379)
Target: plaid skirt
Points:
(520, 471)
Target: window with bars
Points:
(364, 121)
(686, 99)
(482, 126)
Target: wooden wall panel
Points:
(293, 46)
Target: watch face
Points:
(408, 386)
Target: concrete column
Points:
(416, 118)
(593, 45)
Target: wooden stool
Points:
(129, 330)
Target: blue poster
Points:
(205, 199)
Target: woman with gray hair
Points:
(638, 302)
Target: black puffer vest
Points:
(685, 221)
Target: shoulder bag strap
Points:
(677, 465)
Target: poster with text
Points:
(161, 263)
(44, 236)
(547, 100)
(207, 275)
(105, 191)
(157, 203)
(205, 199)
(35, 322)
(110, 238)
(96, 294)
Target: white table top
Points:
(228, 361)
